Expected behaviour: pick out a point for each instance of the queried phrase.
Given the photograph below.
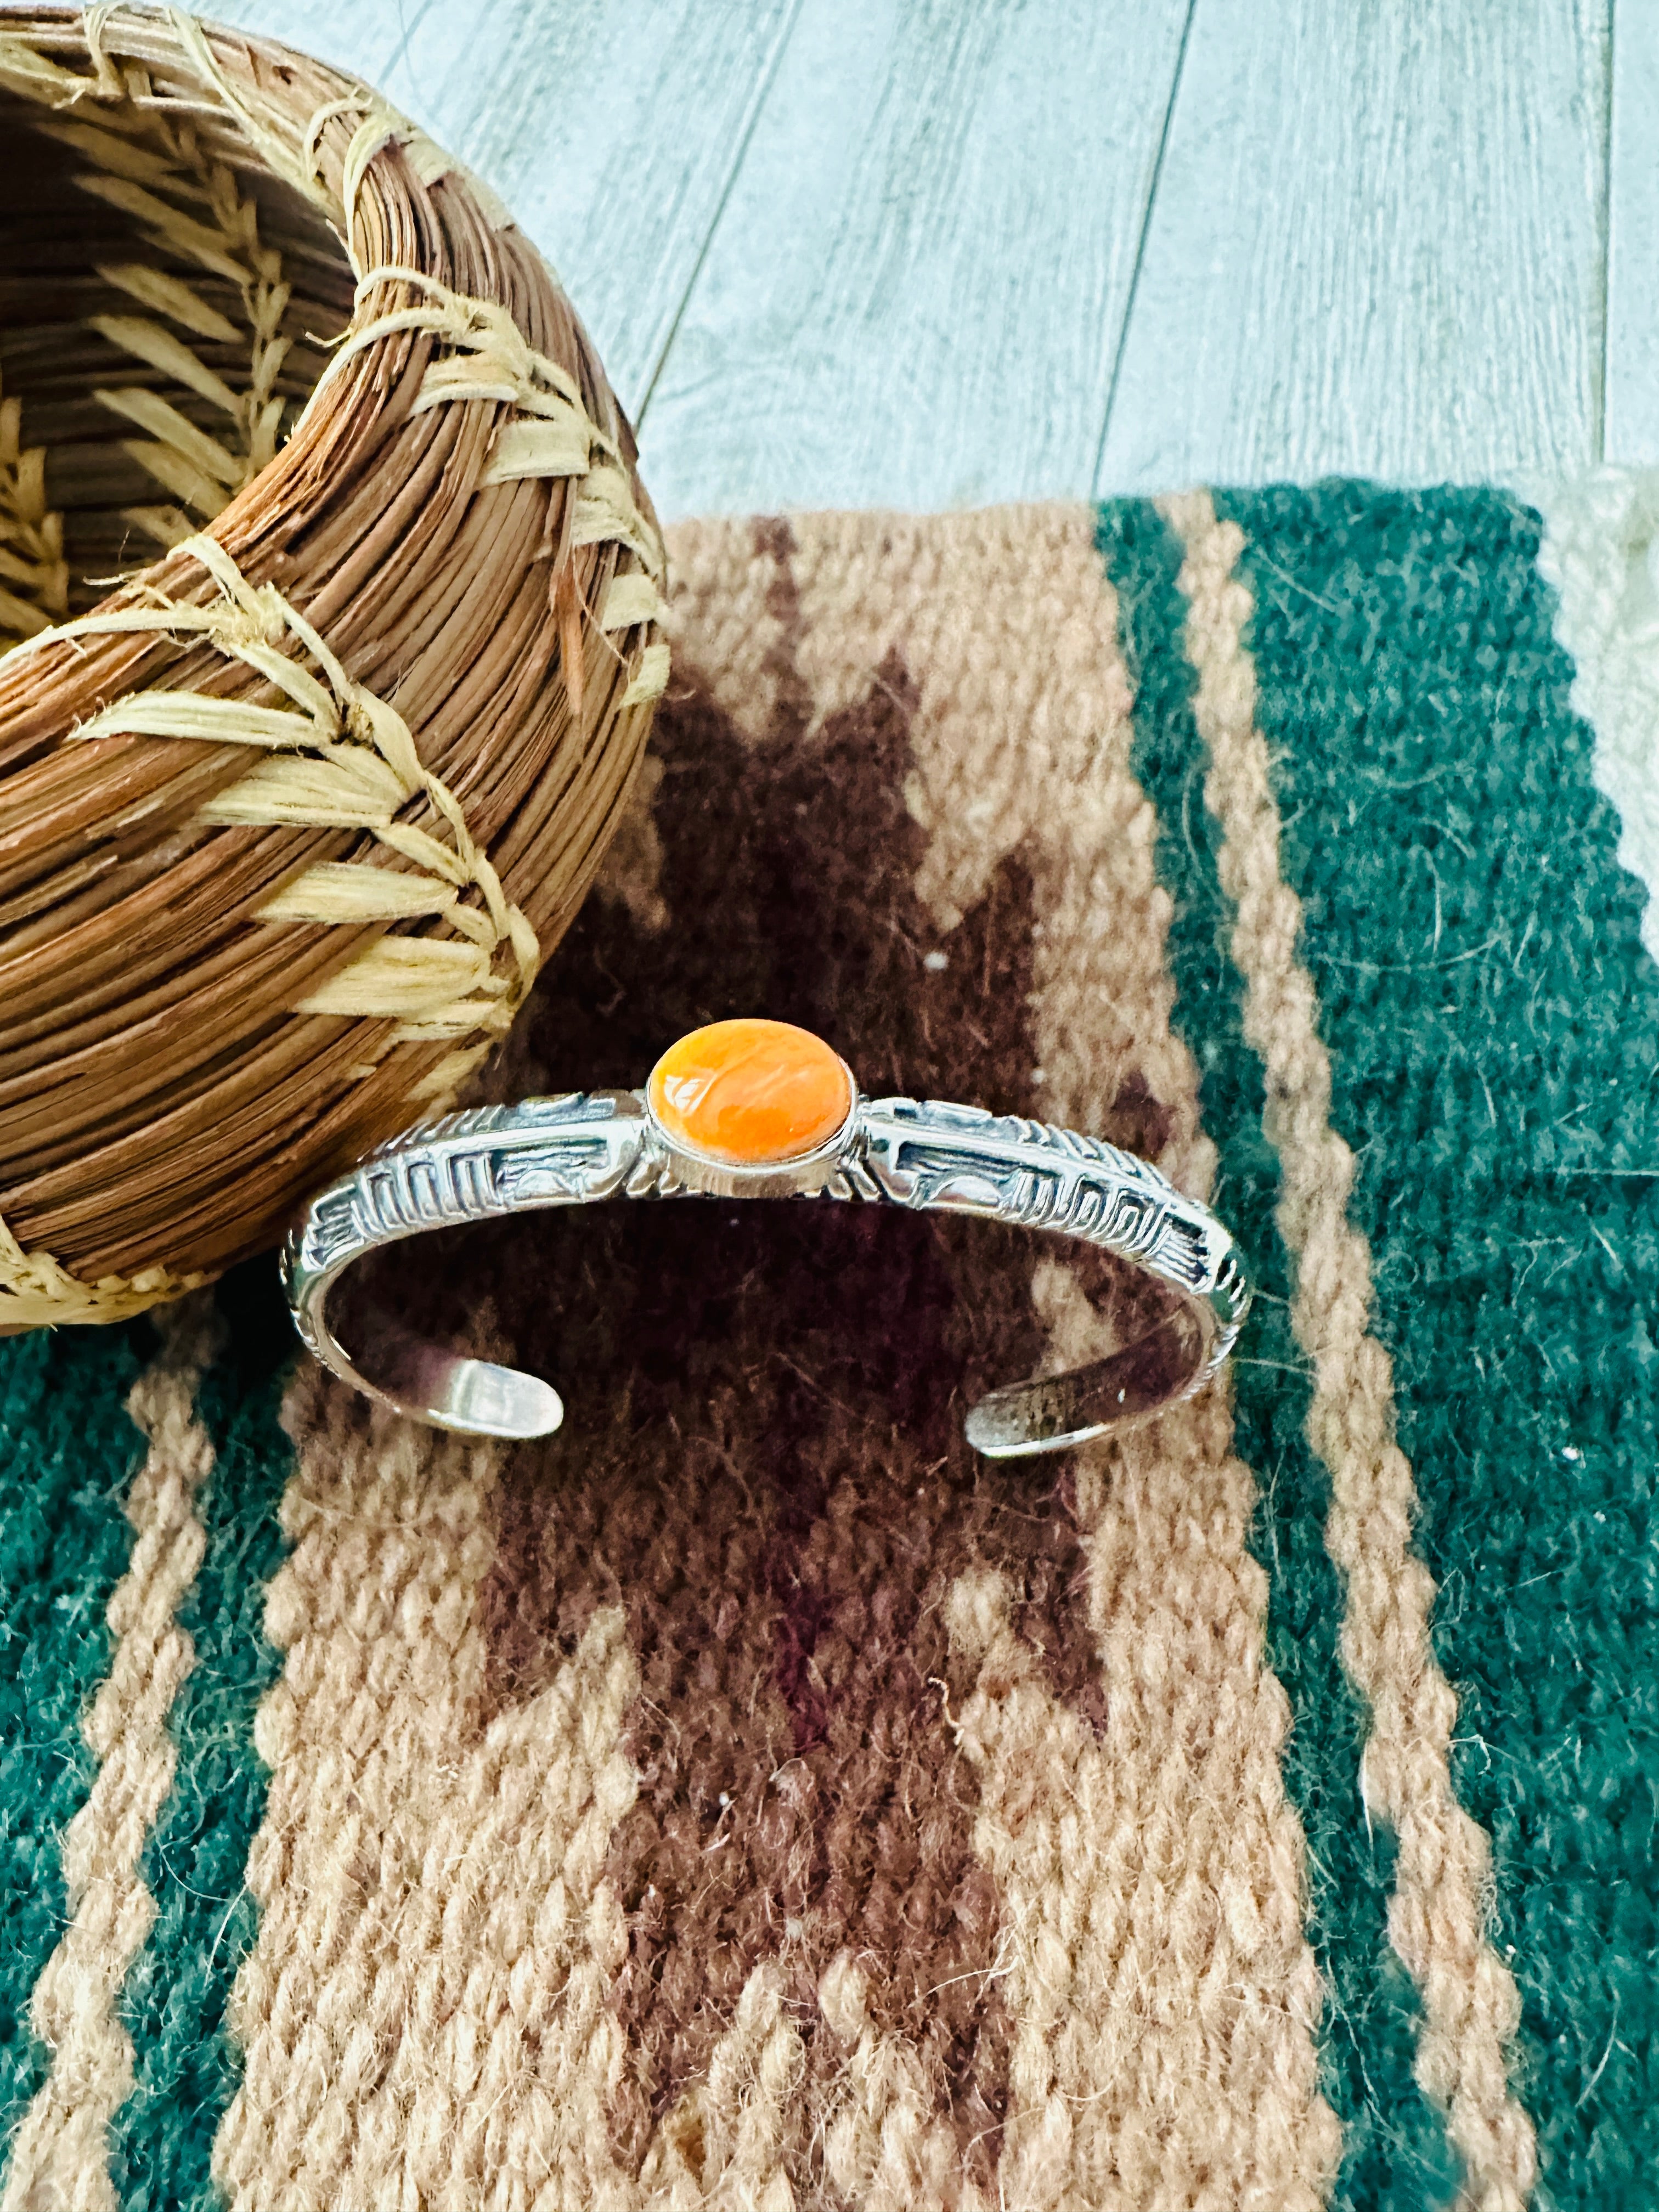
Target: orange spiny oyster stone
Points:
(750, 1093)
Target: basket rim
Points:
(369, 171)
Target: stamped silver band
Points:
(589, 1146)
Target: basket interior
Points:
(165, 312)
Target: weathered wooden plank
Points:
(610, 127)
(915, 292)
(1631, 418)
(1377, 247)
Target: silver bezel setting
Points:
(706, 1175)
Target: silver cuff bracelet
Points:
(694, 1133)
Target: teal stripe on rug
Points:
(1493, 1026)
(68, 1452)
(1396, 2157)
(174, 2003)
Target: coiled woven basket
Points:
(289, 816)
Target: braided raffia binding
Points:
(290, 818)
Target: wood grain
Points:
(1380, 242)
(915, 290)
(1633, 367)
(611, 128)
(1377, 247)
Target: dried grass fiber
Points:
(288, 819)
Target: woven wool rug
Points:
(746, 1799)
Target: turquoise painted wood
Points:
(611, 128)
(1376, 249)
(916, 289)
(1633, 354)
(921, 253)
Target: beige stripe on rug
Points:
(60, 2155)
(427, 1880)
(1437, 1917)
(1151, 1882)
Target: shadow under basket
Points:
(330, 636)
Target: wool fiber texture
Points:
(748, 1799)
